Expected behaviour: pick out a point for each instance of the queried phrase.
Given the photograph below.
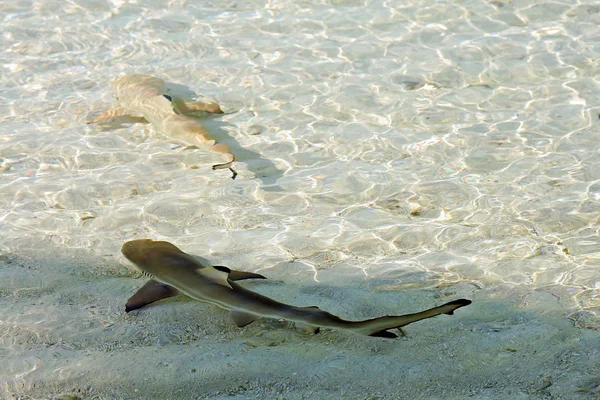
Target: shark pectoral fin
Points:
(212, 107)
(190, 107)
(116, 111)
(241, 318)
(216, 274)
(149, 293)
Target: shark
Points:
(146, 96)
(173, 272)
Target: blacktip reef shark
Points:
(173, 272)
(146, 96)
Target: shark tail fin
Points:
(379, 327)
(224, 150)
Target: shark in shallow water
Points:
(174, 272)
(146, 96)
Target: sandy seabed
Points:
(65, 336)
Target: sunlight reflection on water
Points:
(411, 146)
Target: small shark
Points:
(173, 272)
(146, 96)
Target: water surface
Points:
(434, 148)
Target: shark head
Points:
(156, 258)
(136, 82)
(133, 249)
(134, 90)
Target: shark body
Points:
(174, 272)
(146, 96)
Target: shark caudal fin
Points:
(379, 327)
(223, 149)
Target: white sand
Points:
(65, 335)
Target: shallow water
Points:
(386, 146)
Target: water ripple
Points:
(399, 146)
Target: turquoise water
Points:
(430, 147)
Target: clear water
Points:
(383, 145)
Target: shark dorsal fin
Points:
(222, 268)
(238, 275)
(163, 103)
(215, 274)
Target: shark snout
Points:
(131, 249)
